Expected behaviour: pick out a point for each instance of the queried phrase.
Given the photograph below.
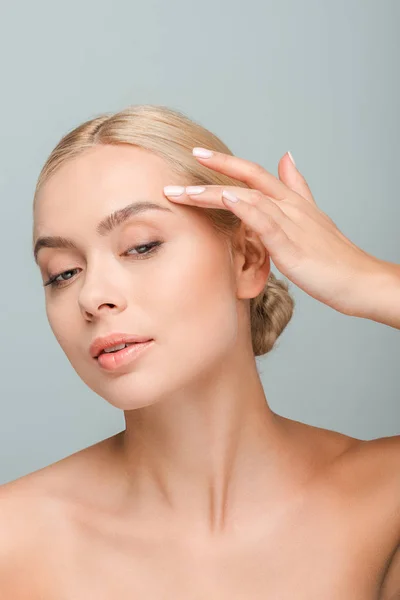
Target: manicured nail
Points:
(173, 190)
(202, 152)
(229, 196)
(291, 158)
(194, 189)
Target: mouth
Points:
(121, 355)
(117, 348)
(114, 342)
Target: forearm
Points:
(380, 295)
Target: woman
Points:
(161, 301)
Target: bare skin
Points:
(207, 493)
(332, 538)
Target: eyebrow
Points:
(105, 227)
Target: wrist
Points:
(379, 293)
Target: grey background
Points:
(318, 78)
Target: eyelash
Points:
(153, 245)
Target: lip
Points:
(116, 360)
(113, 339)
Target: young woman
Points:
(161, 299)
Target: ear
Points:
(252, 263)
(292, 178)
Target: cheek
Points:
(196, 302)
(62, 325)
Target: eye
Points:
(56, 282)
(152, 245)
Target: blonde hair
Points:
(171, 135)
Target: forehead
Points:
(100, 180)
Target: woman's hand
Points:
(302, 241)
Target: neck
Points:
(210, 460)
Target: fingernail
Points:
(173, 190)
(194, 189)
(291, 158)
(202, 152)
(229, 196)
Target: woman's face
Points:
(180, 291)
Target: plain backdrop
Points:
(318, 78)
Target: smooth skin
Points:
(207, 493)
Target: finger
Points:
(293, 179)
(253, 174)
(210, 196)
(275, 231)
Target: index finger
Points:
(253, 174)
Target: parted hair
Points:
(171, 135)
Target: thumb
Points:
(292, 178)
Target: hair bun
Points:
(270, 312)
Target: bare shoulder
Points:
(364, 475)
(373, 462)
(374, 465)
(22, 541)
(369, 475)
(361, 473)
(363, 469)
(35, 515)
(65, 480)
(385, 456)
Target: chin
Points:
(127, 391)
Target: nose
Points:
(101, 293)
